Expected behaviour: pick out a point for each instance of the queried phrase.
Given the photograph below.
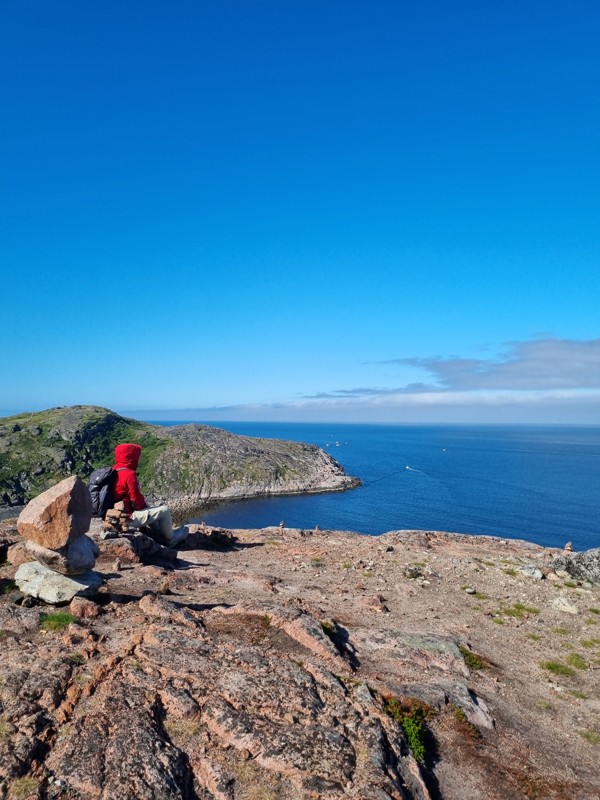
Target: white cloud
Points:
(540, 364)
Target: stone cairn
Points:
(55, 524)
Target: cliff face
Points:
(184, 465)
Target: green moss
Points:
(556, 668)
(57, 621)
(594, 610)
(534, 636)
(561, 631)
(512, 572)
(571, 584)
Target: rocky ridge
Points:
(307, 664)
(185, 466)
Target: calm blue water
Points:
(539, 483)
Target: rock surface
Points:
(583, 566)
(36, 580)
(57, 516)
(294, 664)
(76, 557)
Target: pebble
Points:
(470, 590)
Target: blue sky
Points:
(364, 211)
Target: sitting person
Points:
(127, 490)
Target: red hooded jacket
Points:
(127, 488)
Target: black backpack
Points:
(101, 487)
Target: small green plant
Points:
(544, 705)
(512, 572)
(488, 563)
(329, 629)
(368, 573)
(481, 596)
(347, 565)
(590, 736)
(420, 564)
(590, 621)
(561, 631)
(265, 622)
(577, 661)
(498, 620)
(534, 636)
(316, 562)
(472, 660)
(23, 788)
(556, 668)
(76, 658)
(82, 677)
(7, 586)
(571, 584)
(411, 716)
(57, 621)
(594, 610)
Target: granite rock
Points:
(58, 515)
(76, 557)
(583, 566)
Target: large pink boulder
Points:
(58, 515)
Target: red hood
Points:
(127, 455)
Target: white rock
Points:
(532, 571)
(36, 580)
(562, 604)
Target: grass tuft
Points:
(557, 668)
(472, 660)
(57, 621)
(577, 661)
(590, 736)
(23, 788)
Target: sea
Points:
(540, 483)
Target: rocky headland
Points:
(186, 466)
(284, 664)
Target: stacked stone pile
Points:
(54, 525)
(117, 519)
